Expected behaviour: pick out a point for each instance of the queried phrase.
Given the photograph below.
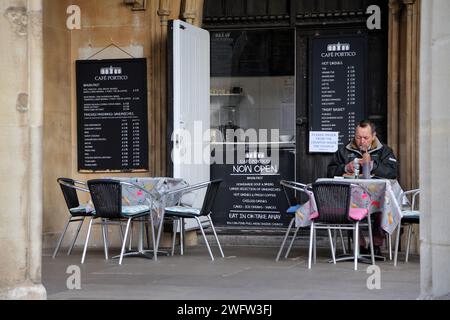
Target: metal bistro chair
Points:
(333, 200)
(78, 213)
(106, 195)
(289, 188)
(410, 216)
(180, 213)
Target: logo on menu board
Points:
(111, 70)
(334, 47)
(338, 50)
(111, 73)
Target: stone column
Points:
(408, 114)
(393, 71)
(21, 118)
(435, 148)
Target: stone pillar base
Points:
(25, 291)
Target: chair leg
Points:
(87, 241)
(152, 225)
(291, 244)
(311, 237)
(204, 237)
(332, 246)
(356, 241)
(372, 254)
(390, 247)
(130, 247)
(284, 240)
(315, 246)
(105, 238)
(121, 232)
(397, 241)
(342, 241)
(408, 244)
(215, 235)
(182, 228)
(174, 235)
(124, 244)
(147, 235)
(61, 238)
(335, 241)
(76, 237)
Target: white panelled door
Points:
(191, 107)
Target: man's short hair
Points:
(367, 123)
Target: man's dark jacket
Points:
(385, 164)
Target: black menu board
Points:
(112, 115)
(251, 193)
(244, 53)
(337, 84)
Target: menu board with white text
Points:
(112, 115)
(338, 85)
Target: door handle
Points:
(302, 121)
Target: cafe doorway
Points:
(341, 79)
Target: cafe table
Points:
(383, 197)
(160, 189)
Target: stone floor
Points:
(246, 273)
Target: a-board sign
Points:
(251, 195)
(112, 115)
(337, 84)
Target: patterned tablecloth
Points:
(158, 187)
(383, 197)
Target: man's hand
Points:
(350, 168)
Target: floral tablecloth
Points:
(158, 187)
(383, 196)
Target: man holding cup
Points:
(366, 152)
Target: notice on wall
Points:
(112, 115)
(337, 85)
(251, 195)
(323, 141)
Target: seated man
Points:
(366, 148)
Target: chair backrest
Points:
(106, 196)
(333, 201)
(294, 192)
(289, 192)
(210, 197)
(70, 194)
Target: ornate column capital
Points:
(189, 12)
(408, 2)
(164, 11)
(394, 6)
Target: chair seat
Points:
(293, 209)
(356, 214)
(180, 211)
(82, 211)
(411, 213)
(133, 211)
(314, 215)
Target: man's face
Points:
(364, 138)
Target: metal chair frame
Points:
(205, 211)
(414, 194)
(339, 226)
(121, 220)
(79, 217)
